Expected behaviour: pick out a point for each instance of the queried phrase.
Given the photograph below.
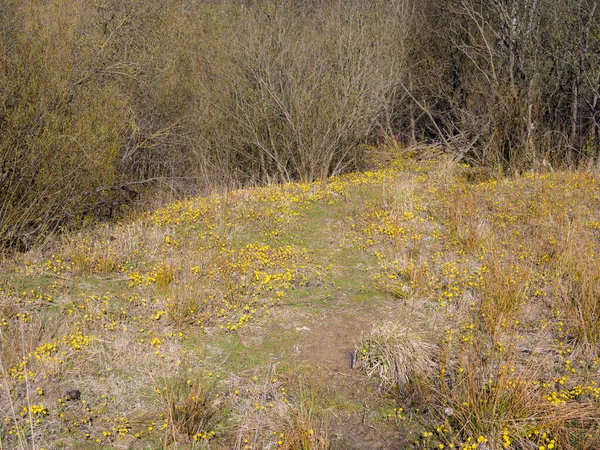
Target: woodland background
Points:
(112, 102)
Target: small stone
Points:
(448, 411)
(74, 394)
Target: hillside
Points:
(423, 305)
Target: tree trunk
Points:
(596, 114)
(574, 141)
(413, 132)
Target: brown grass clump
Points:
(306, 425)
(579, 291)
(192, 411)
(397, 355)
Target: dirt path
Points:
(328, 338)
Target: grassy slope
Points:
(231, 321)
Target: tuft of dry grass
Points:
(397, 354)
(192, 410)
(306, 424)
(579, 291)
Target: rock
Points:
(73, 394)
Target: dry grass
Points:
(397, 355)
(306, 424)
(513, 270)
(191, 410)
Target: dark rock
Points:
(74, 394)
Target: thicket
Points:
(100, 99)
